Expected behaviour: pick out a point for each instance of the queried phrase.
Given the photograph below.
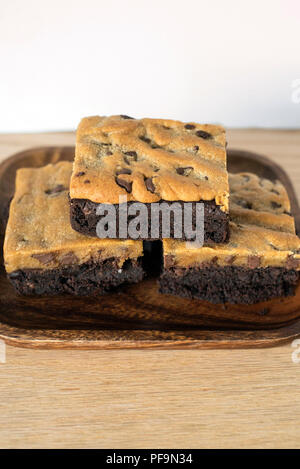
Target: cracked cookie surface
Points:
(149, 160)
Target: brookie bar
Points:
(261, 260)
(148, 161)
(44, 255)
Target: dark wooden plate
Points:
(138, 316)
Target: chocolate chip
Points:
(275, 205)
(109, 153)
(130, 156)
(180, 171)
(149, 185)
(274, 191)
(123, 171)
(196, 148)
(292, 262)
(145, 139)
(56, 190)
(87, 181)
(189, 126)
(253, 262)
(68, 259)
(230, 260)
(203, 134)
(244, 203)
(81, 173)
(184, 171)
(274, 247)
(131, 153)
(45, 258)
(126, 117)
(124, 184)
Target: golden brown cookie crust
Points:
(262, 234)
(149, 160)
(39, 234)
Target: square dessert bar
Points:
(149, 161)
(44, 255)
(261, 260)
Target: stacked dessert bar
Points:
(250, 253)
(149, 161)
(261, 260)
(44, 255)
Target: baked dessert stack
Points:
(251, 252)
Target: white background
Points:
(233, 62)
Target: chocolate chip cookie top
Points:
(260, 202)
(39, 234)
(149, 160)
(262, 233)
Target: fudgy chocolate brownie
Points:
(149, 161)
(44, 255)
(261, 260)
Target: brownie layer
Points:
(85, 279)
(229, 284)
(216, 222)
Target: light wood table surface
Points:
(148, 398)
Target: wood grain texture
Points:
(138, 316)
(143, 398)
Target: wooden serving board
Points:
(138, 316)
